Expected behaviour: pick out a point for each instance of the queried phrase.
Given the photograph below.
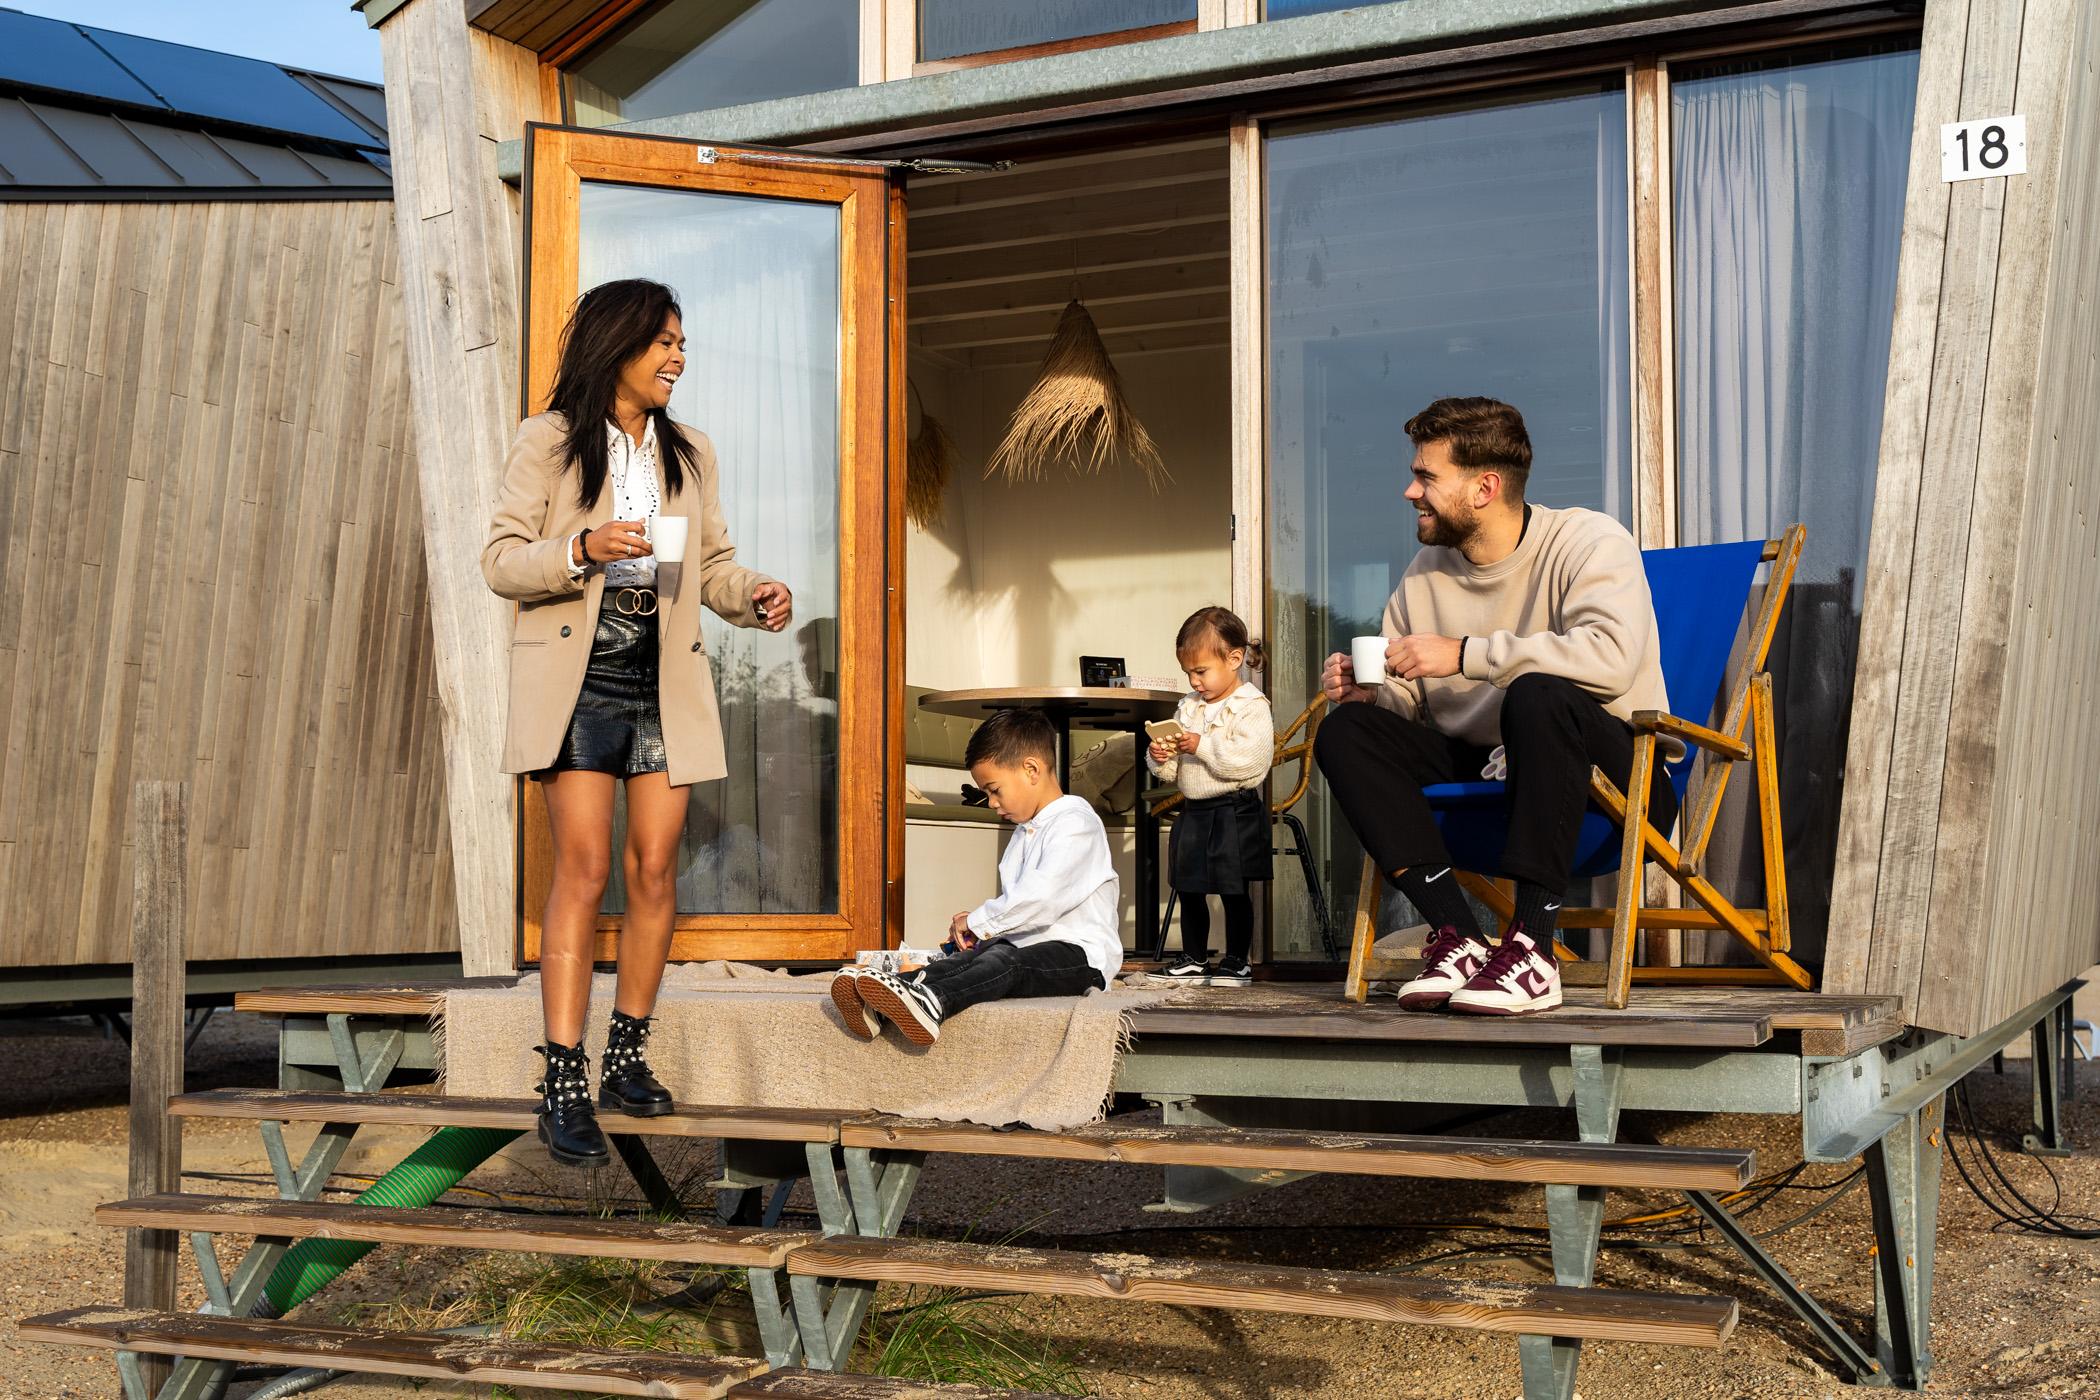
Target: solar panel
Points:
(201, 83)
(47, 53)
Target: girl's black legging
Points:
(1195, 924)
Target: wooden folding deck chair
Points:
(1704, 595)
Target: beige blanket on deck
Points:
(732, 1035)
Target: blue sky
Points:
(324, 35)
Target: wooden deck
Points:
(1714, 1018)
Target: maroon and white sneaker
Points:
(845, 995)
(910, 1006)
(1518, 979)
(1449, 960)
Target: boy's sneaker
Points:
(845, 995)
(1231, 972)
(1516, 980)
(1449, 960)
(1189, 972)
(910, 1006)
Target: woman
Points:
(609, 680)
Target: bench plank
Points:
(1549, 1309)
(457, 1228)
(1363, 1154)
(454, 1111)
(796, 1384)
(429, 1355)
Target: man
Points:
(1520, 637)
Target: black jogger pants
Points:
(1376, 764)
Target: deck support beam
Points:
(1903, 1180)
(1575, 1219)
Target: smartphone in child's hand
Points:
(1164, 731)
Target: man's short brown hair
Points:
(1485, 434)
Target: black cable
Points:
(2024, 1215)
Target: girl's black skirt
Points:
(1220, 844)
(616, 728)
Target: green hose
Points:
(424, 1175)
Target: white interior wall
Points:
(1021, 580)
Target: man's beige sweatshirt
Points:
(1571, 600)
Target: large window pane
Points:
(759, 281)
(1789, 177)
(1476, 249)
(694, 55)
(954, 28)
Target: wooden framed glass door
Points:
(785, 266)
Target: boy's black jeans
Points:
(996, 969)
(1376, 764)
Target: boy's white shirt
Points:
(1056, 881)
(1239, 744)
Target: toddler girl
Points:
(1221, 836)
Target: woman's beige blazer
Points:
(525, 561)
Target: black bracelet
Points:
(1462, 654)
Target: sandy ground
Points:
(2016, 1315)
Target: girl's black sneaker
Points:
(1190, 972)
(1231, 972)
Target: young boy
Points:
(1052, 930)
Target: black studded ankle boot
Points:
(626, 1083)
(568, 1124)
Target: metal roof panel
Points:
(196, 159)
(106, 146)
(31, 155)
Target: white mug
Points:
(667, 534)
(1367, 659)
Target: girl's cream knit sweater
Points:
(1234, 752)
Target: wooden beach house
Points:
(1711, 250)
(1818, 273)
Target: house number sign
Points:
(1979, 149)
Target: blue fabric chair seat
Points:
(1701, 593)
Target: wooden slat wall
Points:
(211, 552)
(1938, 686)
(452, 94)
(2043, 890)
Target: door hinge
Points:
(1235, 519)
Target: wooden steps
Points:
(1548, 1309)
(437, 1356)
(1359, 1154)
(457, 1228)
(1367, 1154)
(453, 1111)
(425, 1355)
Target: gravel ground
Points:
(2015, 1314)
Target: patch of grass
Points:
(950, 1334)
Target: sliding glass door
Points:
(1477, 248)
(1788, 174)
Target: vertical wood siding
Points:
(1933, 788)
(2041, 894)
(452, 94)
(211, 571)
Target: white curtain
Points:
(1788, 190)
(758, 281)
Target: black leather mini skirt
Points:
(616, 728)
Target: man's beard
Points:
(1452, 532)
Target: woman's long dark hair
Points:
(613, 322)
